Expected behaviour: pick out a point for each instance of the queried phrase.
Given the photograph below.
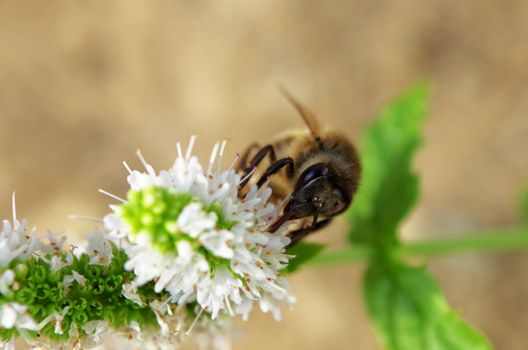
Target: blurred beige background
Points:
(83, 84)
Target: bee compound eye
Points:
(314, 172)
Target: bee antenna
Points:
(308, 117)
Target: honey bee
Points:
(320, 177)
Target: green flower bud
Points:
(79, 317)
(25, 296)
(21, 271)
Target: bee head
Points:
(318, 190)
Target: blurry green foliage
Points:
(302, 252)
(389, 186)
(408, 309)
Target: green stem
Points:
(350, 254)
(514, 239)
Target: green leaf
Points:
(410, 312)
(389, 187)
(303, 253)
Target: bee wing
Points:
(309, 118)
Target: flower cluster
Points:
(79, 298)
(189, 231)
(184, 252)
(51, 296)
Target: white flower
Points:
(74, 277)
(6, 280)
(96, 331)
(117, 230)
(188, 230)
(58, 258)
(193, 220)
(15, 315)
(99, 249)
(16, 243)
(55, 244)
(57, 262)
(217, 241)
(57, 319)
(216, 292)
(129, 291)
(175, 325)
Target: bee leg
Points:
(266, 150)
(296, 235)
(279, 222)
(242, 162)
(275, 167)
